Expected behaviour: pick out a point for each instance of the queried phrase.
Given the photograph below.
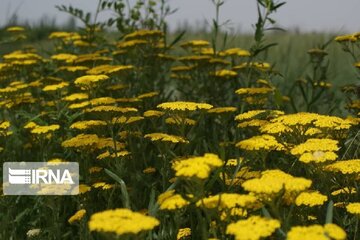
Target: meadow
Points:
(182, 135)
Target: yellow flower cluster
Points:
(311, 199)
(316, 150)
(197, 167)
(121, 221)
(163, 137)
(345, 167)
(184, 106)
(88, 80)
(253, 228)
(263, 142)
(228, 201)
(318, 232)
(171, 201)
(272, 182)
(77, 216)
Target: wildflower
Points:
(253, 228)
(163, 137)
(345, 190)
(153, 113)
(66, 57)
(103, 185)
(329, 231)
(108, 154)
(81, 140)
(83, 188)
(353, 208)
(15, 29)
(73, 69)
(195, 43)
(79, 105)
(182, 233)
(254, 91)
(45, 129)
(77, 216)
(224, 73)
(75, 96)
(319, 148)
(261, 66)
(345, 167)
(346, 38)
(111, 109)
(144, 33)
(148, 95)
(171, 201)
(121, 221)
(263, 142)
(184, 106)
(273, 182)
(310, 199)
(90, 79)
(102, 101)
(149, 170)
(222, 110)
(235, 52)
(197, 167)
(228, 201)
(55, 87)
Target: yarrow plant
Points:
(177, 139)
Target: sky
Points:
(307, 15)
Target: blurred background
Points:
(305, 15)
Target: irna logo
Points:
(37, 176)
(40, 178)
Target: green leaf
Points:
(125, 195)
(329, 212)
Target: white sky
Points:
(308, 15)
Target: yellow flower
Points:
(107, 154)
(144, 33)
(77, 216)
(81, 140)
(318, 232)
(235, 52)
(225, 73)
(228, 201)
(73, 68)
(254, 91)
(90, 79)
(345, 190)
(103, 185)
(184, 106)
(75, 97)
(153, 113)
(311, 199)
(148, 95)
(45, 129)
(111, 109)
(195, 43)
(353, 208)
(253, 228)
(121, 221)
(222, 110)
(15, 29)
(66, 57)
(102, 101)
(273, 182)
(171, 201)
(345, 167)
(346, 38)
(315, 145)
(55, 87)
(182, 233)
(263, 142)
(197, 167)
(163, 137)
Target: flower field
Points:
(179, 139)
